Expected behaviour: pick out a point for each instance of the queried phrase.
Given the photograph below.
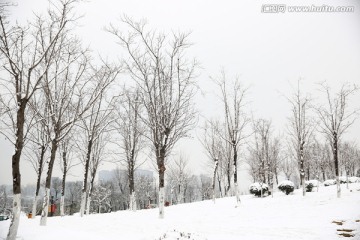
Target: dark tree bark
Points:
(19, 144)
(216, 162)
(85, 195)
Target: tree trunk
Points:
(19, 144)
(237, 194)
(220, 188)
(161, 169)
(88, 202)
(44, 214)
(84, 190)
(184, 194)
(62, 206)
(276, 176)
(132, 201)
(263, 171)
(62, 202)
(227, 189)
(16, 217)
(33, 212)
(161, 202)
(336, 161)
(214, 176)
(318, 183)
(179, 195)
(132, 206)
(90, 191)
(323, 174)
(308, 173)
(273, 188)
(302, 171)
(38, 181)
(45, 207)
(302, 177)
(82, 203)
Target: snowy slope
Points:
(280, 217)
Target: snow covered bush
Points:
(286, 187)
(342, 179)
(256, 189)
(354, 179)
(314, 182)
(329, 182)
(310, 184)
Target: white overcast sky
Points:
(267, 50)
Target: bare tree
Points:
(98, 156)
(95, 124)
(129, 127)
(180, 175)
(212, 144)
(225, 165)
(260, 152)
(67, 162)
(301, 128)
(335, 119)
(233, 98)
(262, 133)
(159, 67)
(24, 50)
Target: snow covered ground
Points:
(280, 217)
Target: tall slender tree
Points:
(98, 156)
(94, 124)
(301, 128)
(158, 64)
(233, 99)
(67, 162)
(335, 119)
(261, 150)
(179, 174)
(36, 153)
(130, 129)
(212, 144)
